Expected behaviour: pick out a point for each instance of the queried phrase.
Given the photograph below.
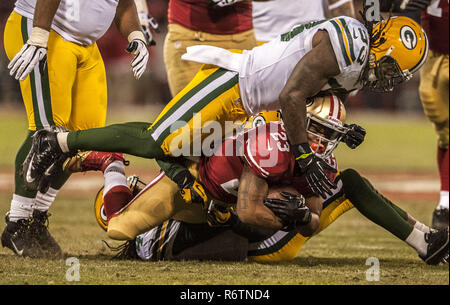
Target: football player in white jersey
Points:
(51, 45)
(337, 55)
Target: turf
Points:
(336, 256)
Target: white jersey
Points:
(274, 17)
(79, 21)
(264, 70)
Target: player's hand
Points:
(314, 168)
(33, 51)
(191, 190)
(291, 211)
(148, 24)
(354, 136)
(219, 216)
(138, 48)
(223, 3)
(414, 4)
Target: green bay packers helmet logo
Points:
(408, 37)
(99, 210)
(259, 120)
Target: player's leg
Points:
(160, 200)
(38, 102)
(433, 90)
(431, 246)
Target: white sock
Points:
(443, 203)
(417, 240)
(114, 176)
(421, 227)
(62, 141)
(21, 208)
(43, 202)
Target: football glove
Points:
(354, 136)
(223, 3)
(32, 52)
(313, 168)
(138, 48)
(191, 190)
(291, 211)
(414, 4)
(219, 216)
(148, 24)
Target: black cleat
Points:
(437, 250)
(43, 161)
(41, 235)
(440, 219)
(17, 237)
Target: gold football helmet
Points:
(399, 47)
(325, 124)
(262, 118)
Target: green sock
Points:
(19, 187)
(374, 206)
(132, 138)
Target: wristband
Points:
(136, 35)
(38, 37)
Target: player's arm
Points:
(127, 22)
(35, 49)
(250, 207)
(309, 76)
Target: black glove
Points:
(190, 189)
(292, 212)
(314, 168)
(354, 136)
(410, 5)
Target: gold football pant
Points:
(201, 109)
(159, 201)
(70, 90)
(433, 90)
(285, 246)
(181, 72)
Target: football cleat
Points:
(440, 219)
(43, 161)
(40, 233)
(438, 249)
(92, 161)
(17, 237)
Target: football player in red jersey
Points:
(222, 177)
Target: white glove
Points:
(222, 3)
(138, 48)
(30, 55)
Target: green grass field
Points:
(336, 256)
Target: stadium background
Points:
(398, 156)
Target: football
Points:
(275, 190)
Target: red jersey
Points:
(265, 150)
(435, 24)
(199, 15)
